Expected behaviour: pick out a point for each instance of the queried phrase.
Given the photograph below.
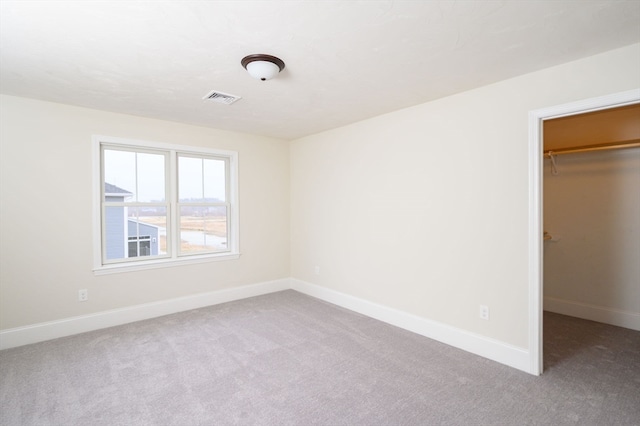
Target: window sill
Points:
(162, 263)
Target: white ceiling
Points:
(345, 60)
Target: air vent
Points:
(221, 98)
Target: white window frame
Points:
(101, 267)
(179, 204)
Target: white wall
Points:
(592, 210)
(425, 210)
(46, 213)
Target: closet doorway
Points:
(591, 245)
(575, 299)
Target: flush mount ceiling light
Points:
(262, 67)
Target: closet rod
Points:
(586, 148)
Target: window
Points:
(202, 206)
(140, 246)
(160, 205)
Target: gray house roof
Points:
(112, 189)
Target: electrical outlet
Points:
(83, 295)
(317, 269)
(484, 312)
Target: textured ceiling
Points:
(345, 60)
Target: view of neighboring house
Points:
(133, 240)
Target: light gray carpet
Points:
(289, 359)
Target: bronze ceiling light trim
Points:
(261, 66)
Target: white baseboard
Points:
(603, 314)
(60, 328)
(480, 345)
(489, 348)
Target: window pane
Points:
(203, 229)
(151, 179)
(135, 231)
(201, 179)
(214, 180)
(150, 224)
(115, 232)
(126, 172)
(119, 175)
(133, 249)
(190, 179)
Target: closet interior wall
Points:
(592, 248)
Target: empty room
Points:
(319, 212)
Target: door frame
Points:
(536, 122)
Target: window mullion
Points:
(173, 222)
(135, 173)
(229, 203)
